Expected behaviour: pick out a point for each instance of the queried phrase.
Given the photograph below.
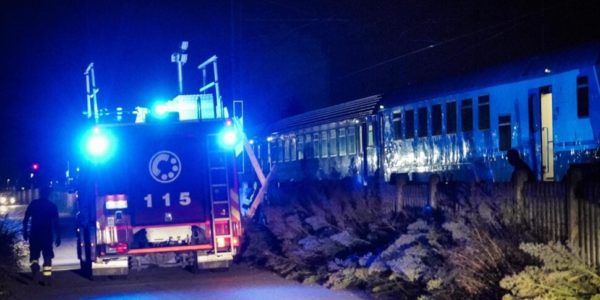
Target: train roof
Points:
(523, 69)
(354, 109)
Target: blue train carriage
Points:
(545, 107)
(332, 142)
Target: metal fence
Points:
(555, 211)
(26, 196)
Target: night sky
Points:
(280, 57)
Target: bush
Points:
(562, 274)
(10, 254)
(331, 233)
(308, 225)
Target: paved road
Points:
(65, 256)
(13, 212)
(240, 282)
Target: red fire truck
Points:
(159, 187)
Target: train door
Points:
(541, 132)
(547, 134)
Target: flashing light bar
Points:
(98, 145)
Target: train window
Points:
(422, 129)
(397, 125)
(410, 124)
(280, 150)
(286, 150)
(484, 112)
(583, 101)
(504, 132)
(308, 146)
(333, 149)
(466, 109)
(293, 149)
(342, 141)
(436, 119)
(324, 142)
(370, 136)
(300, 147)
(451, 117)
(351, 140)
(316, 146)
(274, 151)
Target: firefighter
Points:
(43, 215)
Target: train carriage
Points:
(461, 127)
(332, 142)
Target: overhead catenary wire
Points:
(510, 22)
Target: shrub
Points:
(562, 274)
(330, 233)
(484, 247)
(10, 254)
(311, 226)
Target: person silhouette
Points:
(520, 166)
(43, 216)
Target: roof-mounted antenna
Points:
(180, 58)
(92, 92)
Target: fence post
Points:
(433, 187)
(574, 177)
(401, 180)
(519, 189)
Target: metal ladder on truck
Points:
(220, 200)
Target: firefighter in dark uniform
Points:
(43, 215)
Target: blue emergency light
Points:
(228, 138)
(98, 144)
(160, 110)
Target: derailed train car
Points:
(332, 142)
(460, 128)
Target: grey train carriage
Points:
(546, 107)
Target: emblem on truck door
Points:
(164, 166)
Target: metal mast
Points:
(92, 92)
(180, 58)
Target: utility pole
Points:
(180, 58)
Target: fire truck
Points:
(160, 187)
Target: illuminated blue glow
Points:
(229, 137)
(98, 145)
(161, 109)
